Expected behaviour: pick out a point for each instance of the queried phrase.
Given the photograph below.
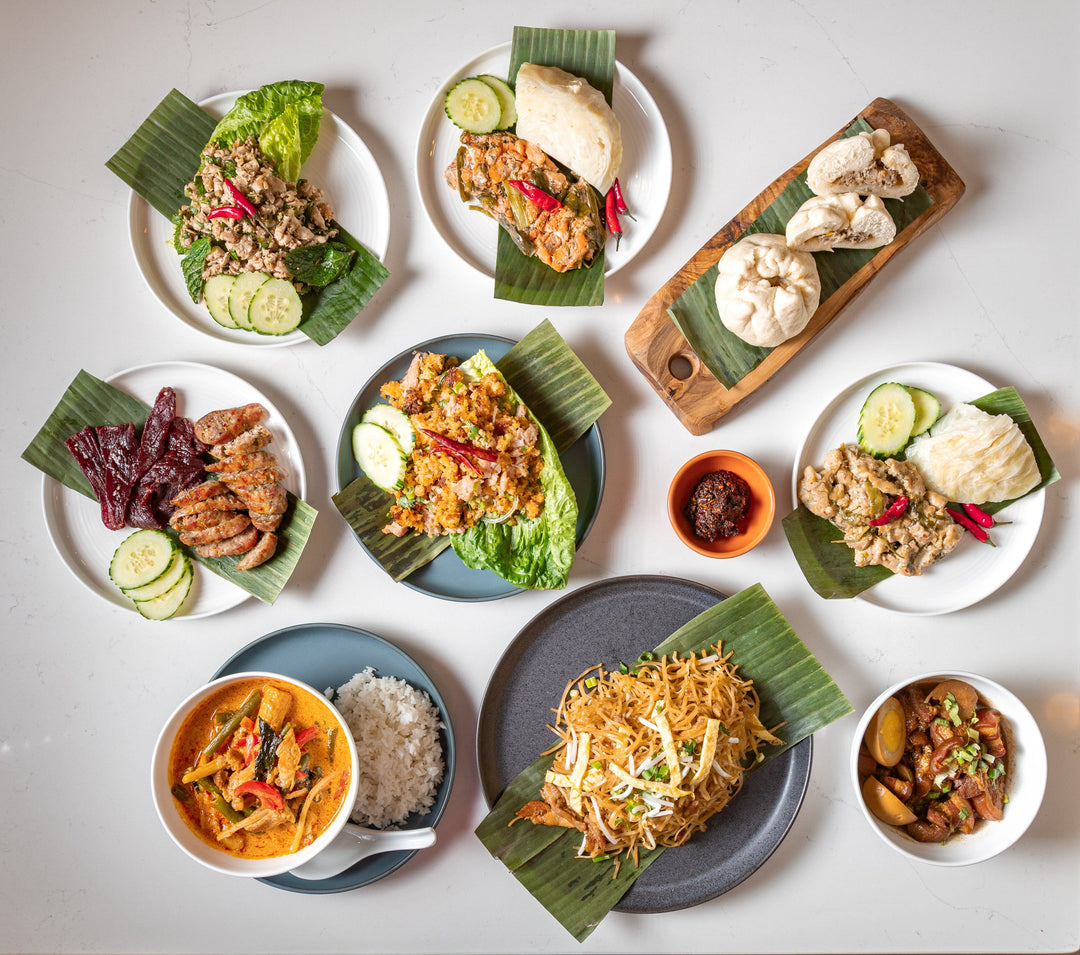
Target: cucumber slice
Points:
(473, 106)
(216, 295)
(507, 102)
(275, 308)
(142, 557)
(167, 604)
(379, 455)
(245, 286)
(886, 419)
(927, 410)
(396, 422)
(165, 582)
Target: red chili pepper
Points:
(306, 736)
(970, 526)
(241, 200)
(612, 215)
(892, 512)
(620, 202)
(485, 454)
(226, 212)
(268, 795)
(535, 195)
(978, 515)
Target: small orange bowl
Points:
(754, 525)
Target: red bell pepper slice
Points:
(268, 795)
(306, 736)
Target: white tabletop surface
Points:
(746, 89)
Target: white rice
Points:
(396, 728)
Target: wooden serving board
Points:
(654, 343)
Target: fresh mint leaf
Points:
(192, 265)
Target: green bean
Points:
(221, 804)
(249, 706)
(180, 793)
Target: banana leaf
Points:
(519, 278)
(555, 386)
(694, 313)
(89, 400)
(829, 567)
(163, 155)
(793, 688)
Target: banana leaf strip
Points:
(829, 567)
(694, 313)
(163, 155)
(89, 400)
(557, 389)
(793, 688)
(520, 278)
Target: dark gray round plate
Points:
(328, 655)
(446, 576)
(612, 622)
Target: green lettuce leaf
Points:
(284, 118)
(536, 554)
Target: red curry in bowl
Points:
(257, 770)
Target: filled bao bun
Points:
(571, 121)
(842, 221)
(865, 164)
(766, 292)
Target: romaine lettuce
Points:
(533, 554)
(284, 117)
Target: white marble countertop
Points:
(746, 89)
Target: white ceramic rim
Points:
(1028, 764)
(191, 844)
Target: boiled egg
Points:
(885, 804)
(886, 733)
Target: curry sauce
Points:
(256, 769)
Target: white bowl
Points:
(1025, 785)
(177, 828)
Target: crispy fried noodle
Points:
(648, 754)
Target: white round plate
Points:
(340, 164)
(73, 520)
(645, 173)
(973, 570)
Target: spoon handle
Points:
(354, 843)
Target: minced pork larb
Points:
(288, 215)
